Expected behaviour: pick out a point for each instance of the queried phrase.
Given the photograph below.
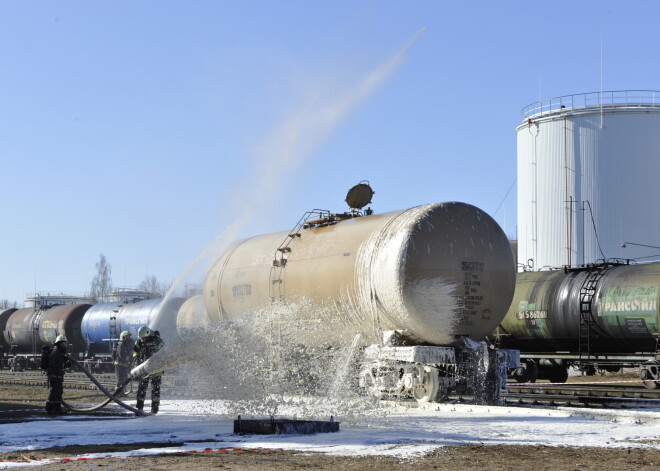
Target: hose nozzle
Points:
(140, 371)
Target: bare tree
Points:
(150, 284)
(7, 304)
(102, 282)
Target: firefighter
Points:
(57, 363)
(145, 346)
(122, 355)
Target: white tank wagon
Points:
(587, 167)
(435, 275)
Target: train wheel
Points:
(429, 386)
(558, 375)
(369, 384)
(532, 371)
(650, 375)
(527, 372)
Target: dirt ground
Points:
(463, 458)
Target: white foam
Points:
(426, 308)
(405, 431)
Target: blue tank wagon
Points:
(103, 323)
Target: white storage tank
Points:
(588, 168)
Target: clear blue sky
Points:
(142, 129)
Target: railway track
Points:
(78, 380)
(71, 380)
(600, 395)
(631, 396)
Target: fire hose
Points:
(157, 363)
(112, 396)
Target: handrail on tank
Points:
(607, 99)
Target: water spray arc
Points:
(434, 274)
(399, 294)
(281, 153)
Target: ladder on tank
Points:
(282, 252)
(587, 292)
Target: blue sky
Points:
(142, 130)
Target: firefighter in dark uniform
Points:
(145, 346)
(57, 363)
(122, 355)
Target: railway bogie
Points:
(650, 374)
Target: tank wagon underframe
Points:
(430, 374)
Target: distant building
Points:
(46, 300)
(129, 295)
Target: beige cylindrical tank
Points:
(436, 272)
(192, 315)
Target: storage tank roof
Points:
(47, 299)
(592, 101)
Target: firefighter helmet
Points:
(144, 332)
(60, 338)
(124, 335)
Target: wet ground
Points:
(23, 402)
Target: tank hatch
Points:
(360, 195)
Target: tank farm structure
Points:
(587, 250)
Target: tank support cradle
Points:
(430, 374)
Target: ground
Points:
(463, 458)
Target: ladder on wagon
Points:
(276, 280)
(587, 292)
(310, 218)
